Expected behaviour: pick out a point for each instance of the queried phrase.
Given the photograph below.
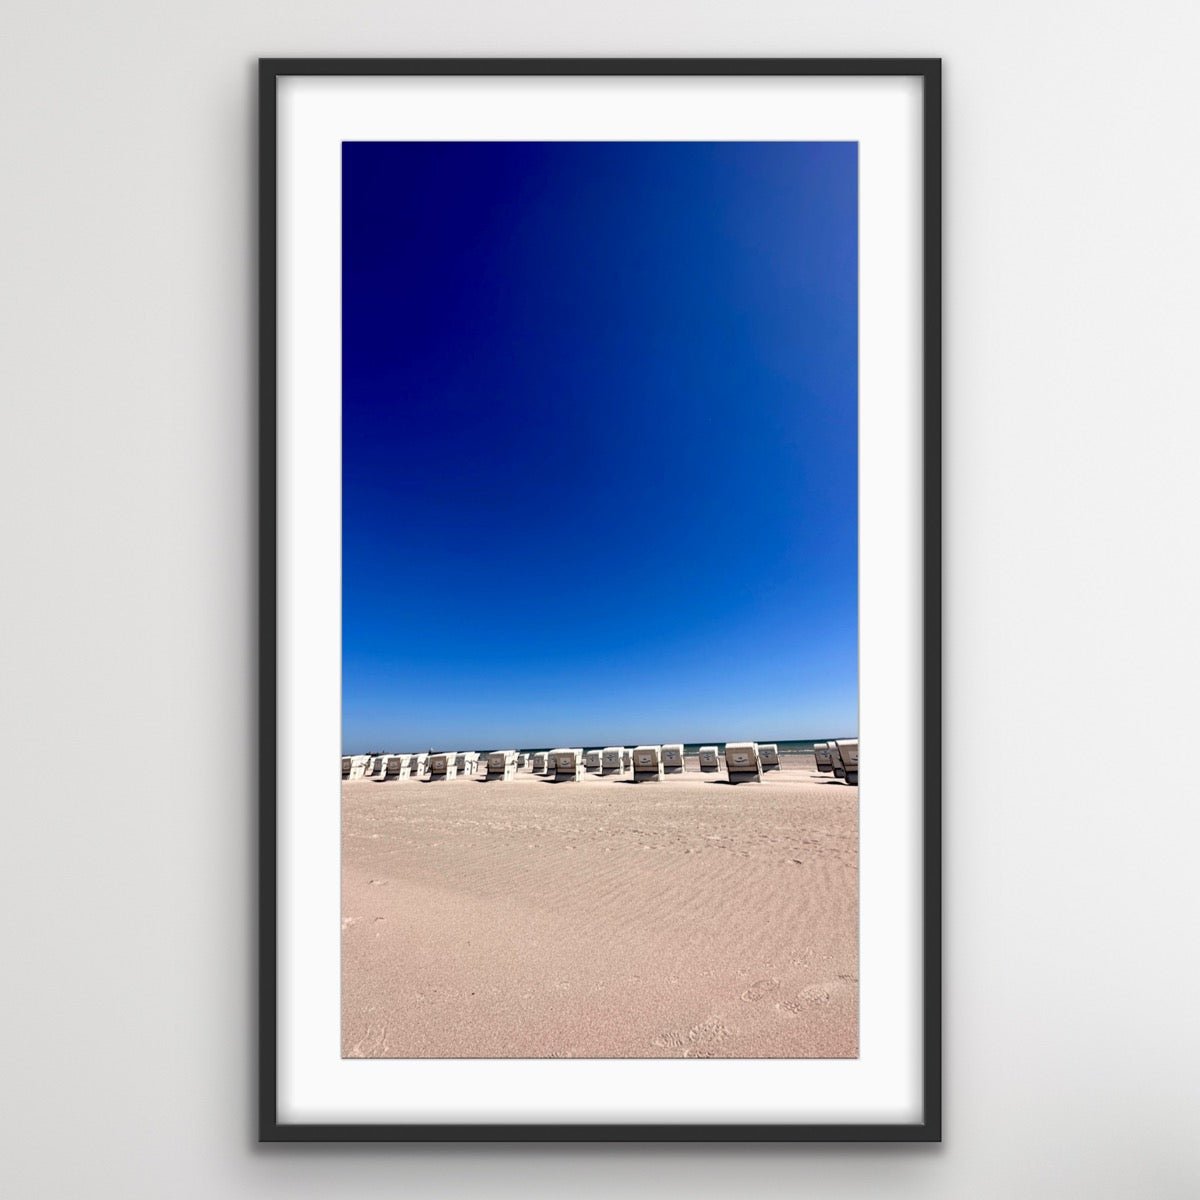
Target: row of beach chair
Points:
(743, 762)
(839, 759)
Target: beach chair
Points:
(835, 761)
(672, 759)
(566, 764)
(824, 758)
(612, 760)
(358, 766)
(647, 763)
(539, 761)
(522, 761)
(742, 762)
(591, 761)
(392, 764)
(628, 758)
(710, 760)
(768, 755)
(467, 762)
(414, 766)
(378, 766)
(849, 754)
(347, 763)
(442, 767)
(501, 764)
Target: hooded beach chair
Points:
(392, 765)
(742, 762)
(442, 767)
(612, 760)
(414, 766)
(710, 760)
(768, 755)
(824, 758)
(566, 764)
(835, 761)
(501, 764)
(849, 754)
(647, 763)
(672, 758)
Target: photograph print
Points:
(600, 600)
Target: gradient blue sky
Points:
(599, 443)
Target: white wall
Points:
(126, 486)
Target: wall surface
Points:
(128, 549)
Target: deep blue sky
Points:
(599, 443)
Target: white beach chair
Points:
(392, 764)
(768, 755)
(849, 754)
(835, 761)
(358, 766)
(466, 762)
(612, 760)
(628, 758)
(347, 763)
(672, 759)
(539, 761)
(567, 764)
(522, 760)
(414, 766)
(824, 758)
(501, 764)
(710, 760)
(742, 762)
(442, 767)
(591, 761)
(647, 763)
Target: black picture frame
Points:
(929, 1129)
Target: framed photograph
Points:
(600, 523)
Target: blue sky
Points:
(599, 435)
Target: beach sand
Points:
(601, 919)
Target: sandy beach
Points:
(601, 918)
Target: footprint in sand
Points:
(760, 990)
(378, 882)
(814, 996)
(707, 1032)
(698, 1041)
(703, 1038)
